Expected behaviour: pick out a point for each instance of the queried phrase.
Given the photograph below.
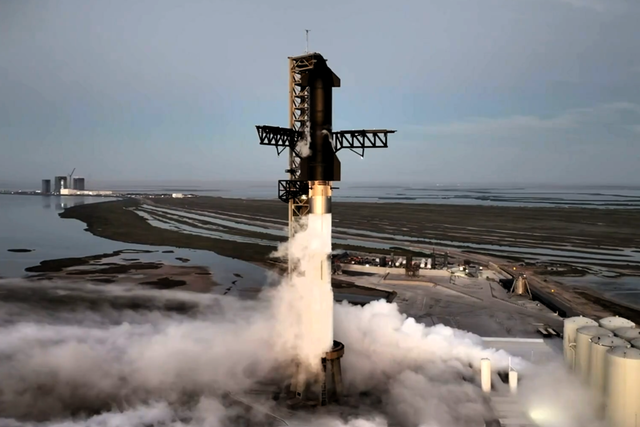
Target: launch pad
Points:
(327, 388)
(313, 167)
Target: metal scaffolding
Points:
(294, 191)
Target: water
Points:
(619, 196)
(32, 222)
(545, 196)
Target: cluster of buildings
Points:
(62, 183)
(68, 185)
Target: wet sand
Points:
(588, 228)
(537, 228)
(102, 269)
(112, 268)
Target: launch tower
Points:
(313, 165)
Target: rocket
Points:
(322, 164)
(319, 169)
(311, 84)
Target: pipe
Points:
(513, 382)
(485, 375)
(572, 348)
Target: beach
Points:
(548, 244)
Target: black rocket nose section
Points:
(320, 165)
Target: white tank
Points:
(627, 333)
(599, 346)
(583, 348)
(615, 322)
(635, 343)
(571, 326)
(622, 387)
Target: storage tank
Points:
(615, 322)
(627, 333)
(622, 387)
(600, 344)
(571, 326)
(583, 348)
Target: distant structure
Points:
(521, 287)
(69, 185)
(60, 183)
(77, 183)
(46, 186)
(314, 166)
(70, 180)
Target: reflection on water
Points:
(624, 289)
(27, 222)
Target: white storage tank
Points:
(636, 343)
(627, 333)
(583, 348)
(622, 387)
(599, 346)
(571, 326)
(615, 322)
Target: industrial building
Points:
(71, 192)
(604, 354)
(77, 184)
(64, 184)
(46, 186)
(59, 182)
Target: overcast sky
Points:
(510, 91)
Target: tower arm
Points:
(359, 140)
(281, 138)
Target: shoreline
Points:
(117, 220)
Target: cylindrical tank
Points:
(635, 343)
(622, 387)
(583, 347)
(600, 344)
(627, 333)
(513, 381)
(571, 326)
(615, 322)
(485, 375)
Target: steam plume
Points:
(83, 355)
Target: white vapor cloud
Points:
(91, 356)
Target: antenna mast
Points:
(307, 35)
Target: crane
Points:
(70, 183)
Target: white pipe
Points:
(513, 381)
(485, 375)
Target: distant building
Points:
(71, 192)
(46, 186)
(78, 184)
(59, 182)
(177, 195)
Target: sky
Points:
(479, 91)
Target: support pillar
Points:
(485, 375)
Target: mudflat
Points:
(586, 231)
(581, 227)
(583, 230)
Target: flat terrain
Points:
(471, 304)
(580, 239)
(114, 268)
(587, 228)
